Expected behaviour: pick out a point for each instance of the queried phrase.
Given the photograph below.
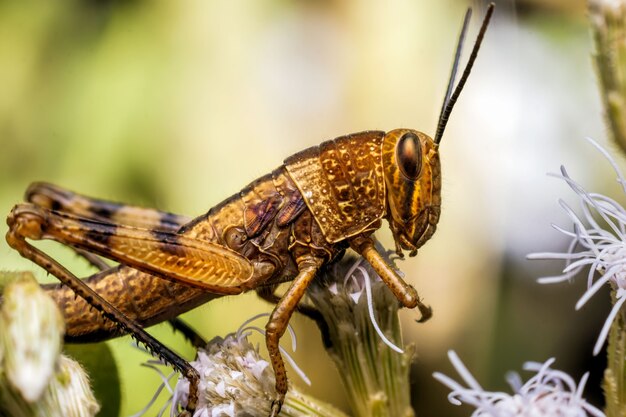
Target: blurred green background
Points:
(178, 105)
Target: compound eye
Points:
(409, 155)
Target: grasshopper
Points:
(282, 227)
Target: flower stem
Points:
(615, 374)
(375, 376)
(608, 24)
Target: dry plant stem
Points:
(608, 25)
(615, 374)
(376, 377)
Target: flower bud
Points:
(31, 334)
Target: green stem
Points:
(375, 376)
(608, 24)
(614, 384)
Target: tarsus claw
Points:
(425, 311)
(276, 406)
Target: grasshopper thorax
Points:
(413, 186)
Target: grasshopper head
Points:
(413, 183)
(411, 162)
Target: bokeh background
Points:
(177, 105)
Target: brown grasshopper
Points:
(282, 227)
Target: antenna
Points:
(451, 97)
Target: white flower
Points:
(549, 393)
(235, 381)
(598, 241)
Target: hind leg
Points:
(53, 197)
(18, 242)
(59, 199)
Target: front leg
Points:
(406, 294)
(279, 319)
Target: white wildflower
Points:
(235, 381)
(549, 393)
(598, 241)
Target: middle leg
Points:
(308, 266)
(268, 294)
